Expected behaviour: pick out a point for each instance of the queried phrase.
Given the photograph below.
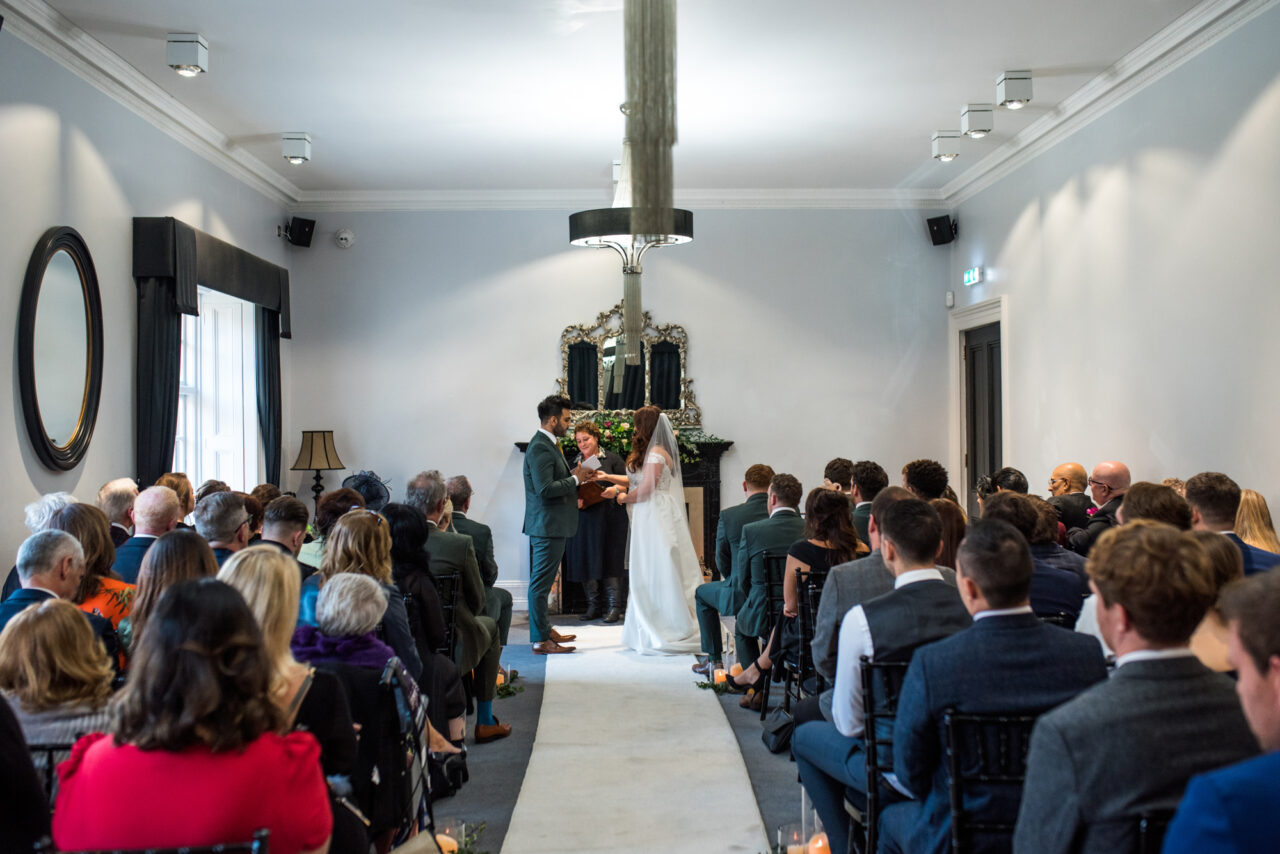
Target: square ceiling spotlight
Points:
(977, 120)
(296, 147)
(187, 54)
(1013, 89)
(946, 145)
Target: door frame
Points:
(958, 322)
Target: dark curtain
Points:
(159, 364)
(267, 329)
(664, 377)
(632, 396)
(584, 377)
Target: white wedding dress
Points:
(664, 568)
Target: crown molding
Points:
(1186, 37)
(48, 31)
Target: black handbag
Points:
(778, 727)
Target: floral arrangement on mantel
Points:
(616, 430)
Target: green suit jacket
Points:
(550, 492)
(451, 553)
(482, 539)
(728, 535)
(775, 534)
(861, 519)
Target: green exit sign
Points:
(972, 276)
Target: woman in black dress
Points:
(596, 555)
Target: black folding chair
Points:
(257, 845)
(775, 569)
(881, 685)
(810, 584)
(987, 751)
(1151, 829)
(46, 758)
(447, 586)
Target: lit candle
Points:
(798, 848)
(736, 670)
(818, 844)
(500, 678)
(448, 845)
(720, 675)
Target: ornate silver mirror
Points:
(597, 379)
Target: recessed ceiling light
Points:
(296, 147)
(946, 145)
(977, 120)
(1013, 89)
(187, 54)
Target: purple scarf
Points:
(362, 651)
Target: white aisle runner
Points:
(631, 757)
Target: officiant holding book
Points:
(596, 556)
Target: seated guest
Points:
(266, 493)
(1253, 522)
(920, 609)
(1209, 643)
(1130, 744)
(1215, 500)
(925, 479)
(478, 645)
(360, 543)
(180, 555)
(284, 527)
(209, 487)
(868, 479)
(55, 674)
(101, 590)
(1067, 495)
(838, 476)
(195, 725)
(221, 518)
(1109, 482)
(156, 511)
(1044, 541)
(1054, 591)
(1005, 480)
(38, 514)
(51, 566)
(24, 814)
(181, 486)
(329, 509)
(722, 597)
(115, 498)
(1232, 810)
(1157, 502)
(953, 527)
(497, 602)
(311, 700)
(829, 539)
(255, 511)
(1008, 662)
(1177, 484)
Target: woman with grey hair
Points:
(348, 611)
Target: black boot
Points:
(613, 600)
(593, 600)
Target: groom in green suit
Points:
(550, 516)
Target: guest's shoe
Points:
(706, 668)
(491, 732)
(559, 638)
(733, 687)
(550, 648)
(753, 701)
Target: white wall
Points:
(73, 156)
(814, 334)
(1139, 259)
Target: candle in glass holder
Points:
(791, 839)
(818, 844)
(447, 844)
(736, 670)
(501, 679)
(720, 676)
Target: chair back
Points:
(811, 584)
(1151, 828)
(257, 845)
(447, 586)
(775, 570)
(986, 764)
(1059, 618)
(881, 685)
(46, 758)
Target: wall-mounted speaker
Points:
(942, 230)
(299, 231)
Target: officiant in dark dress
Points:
(596, 556)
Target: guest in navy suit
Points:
(38, 514)
(1007, 662)
(1054, 590)
(223, 520)
(1234, 809)
(1214, 500)
(115, 498)
(156, 511)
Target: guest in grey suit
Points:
(1129, 745)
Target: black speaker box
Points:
(942, 230)
(299, 231)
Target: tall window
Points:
(217, 435)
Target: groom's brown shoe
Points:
(559, 638)
(550, 648)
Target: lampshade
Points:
(318, 452)
(608, 226)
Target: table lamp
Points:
(317, 454)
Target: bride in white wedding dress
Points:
(664, 568)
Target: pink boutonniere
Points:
(1092, 510)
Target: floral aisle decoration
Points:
(617, 431)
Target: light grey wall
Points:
(73, 156)
(814, 334)
(1139, 260)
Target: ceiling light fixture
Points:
(187, 54)
(296, 147)
(946, 145)
(1013, 89)
(977, 120)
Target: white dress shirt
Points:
(556, 442)
(855, 642)
(1002, 612)
(1154, 655)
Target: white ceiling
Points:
(522, 95)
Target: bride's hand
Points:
(622, 497)
(610, 492)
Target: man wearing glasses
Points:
(1066, 491)
(1108, 483)
(222, 520)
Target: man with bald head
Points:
(1108, 483)
(156, 511)
(1066, 494)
